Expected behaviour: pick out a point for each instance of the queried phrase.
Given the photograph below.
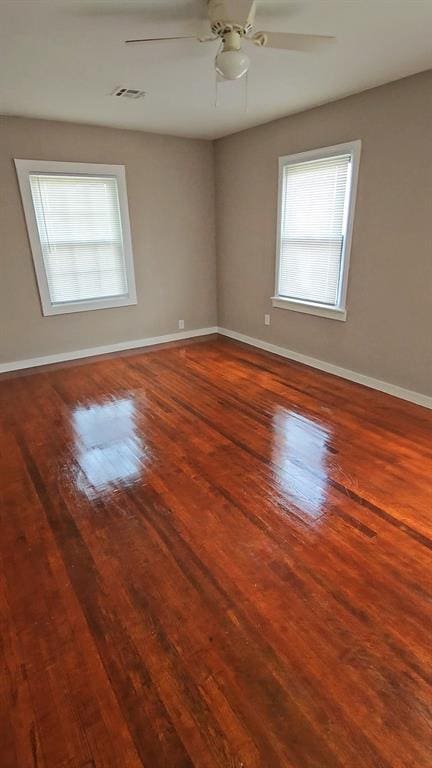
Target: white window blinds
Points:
(80, 231)
(313, 223)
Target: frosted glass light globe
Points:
(232, 65)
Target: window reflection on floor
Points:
(300, 452)
(109, 450)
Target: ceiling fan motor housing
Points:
(226, 16)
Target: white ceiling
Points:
(61, 59)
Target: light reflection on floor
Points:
(299, 454)
(109, 451)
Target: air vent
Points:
(128, 93)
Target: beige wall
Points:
(388, 332)
(171, 202)
(171, 199)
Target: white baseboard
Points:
(344, 373)
(77, 354)
(359, 378)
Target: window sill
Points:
(321, 310)
(87, 305)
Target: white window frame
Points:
(24, 169)
(339, 310)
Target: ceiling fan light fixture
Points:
(232, 65)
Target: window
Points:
(78, 224)
(316, 208)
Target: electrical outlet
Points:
(266, 319)
(180, 325)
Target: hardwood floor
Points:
(213, 557)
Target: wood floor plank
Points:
(211, 557)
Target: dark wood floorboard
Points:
(213, 558)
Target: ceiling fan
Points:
(233, 23)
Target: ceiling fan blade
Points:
(159, 39)
(252, 14)
(290, 41)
